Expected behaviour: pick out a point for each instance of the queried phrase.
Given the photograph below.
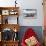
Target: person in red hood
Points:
(29, 36)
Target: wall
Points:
(32, 4)
(27, 4)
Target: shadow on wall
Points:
(37, 29)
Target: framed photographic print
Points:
(29, 13)
(13, 12)
(5, 12)
(12, 20)
(6, 34)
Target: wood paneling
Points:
(10, 43)
(10, 26)
(5, 8)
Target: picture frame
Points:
(13, 12)
(29, 13)
(5, 12)
(11, 20)
(6, 34)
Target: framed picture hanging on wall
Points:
(29, 13)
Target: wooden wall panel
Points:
(10, 26)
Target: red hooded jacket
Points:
(29, 33)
